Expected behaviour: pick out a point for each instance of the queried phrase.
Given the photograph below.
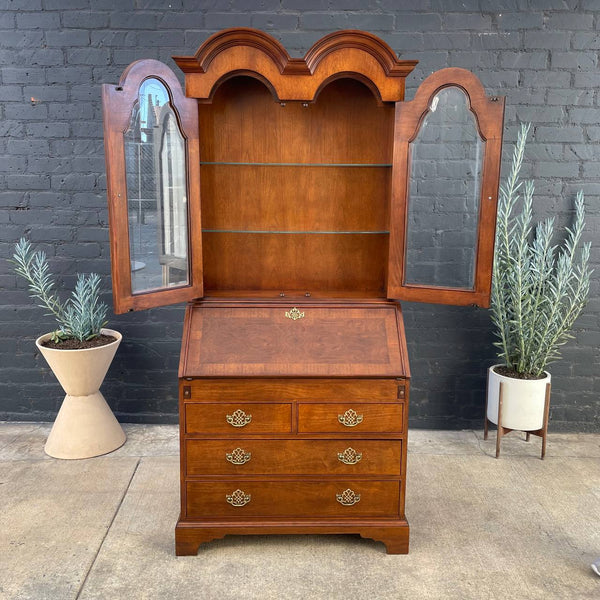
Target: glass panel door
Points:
(444, 189)
(151, 136)
(444, 194)
(156, 192)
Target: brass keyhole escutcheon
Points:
(294, 314)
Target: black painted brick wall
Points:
(543, 55)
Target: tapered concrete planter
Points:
(85, 426)
(523, 401)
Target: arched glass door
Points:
(151, 136)
(444, 196)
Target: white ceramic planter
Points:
(523, 401)
(85, 426)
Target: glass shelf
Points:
(268, 231)
(272, 164)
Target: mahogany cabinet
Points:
(293, 421)
(292, 203)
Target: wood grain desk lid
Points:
(287, 341)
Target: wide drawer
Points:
(283, 390)
(238, 418)
(351, 418)
(246, 498)
(297, 457)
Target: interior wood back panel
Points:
(245, 341)
(304, 262)
(244, 123)
(295, 198)
(344, 126)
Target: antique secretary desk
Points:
(291, 203)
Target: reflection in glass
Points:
(446, 161)
(156, 192)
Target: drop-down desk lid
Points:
(260, 339)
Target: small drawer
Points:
(247, 498)
(237, 418)
(351, 418)
(295, 457)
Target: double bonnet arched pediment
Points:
(244, 51)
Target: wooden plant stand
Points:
(502, 431)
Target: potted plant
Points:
(79, 353)
(538, 290)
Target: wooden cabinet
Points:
(292, 203)
(264, 445)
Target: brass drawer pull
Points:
(238, 456)
(239, 418)
(350, 418)
(349, 456)
(348, 497)
(238, 498)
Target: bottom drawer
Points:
(349, 498)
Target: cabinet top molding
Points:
(245, 51)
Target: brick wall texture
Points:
(542, 55)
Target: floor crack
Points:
(137, 464)
(480, 441)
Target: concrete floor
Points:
(481, 528)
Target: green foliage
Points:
(82, 316)
(538, 289)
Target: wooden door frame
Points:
(489, 117)
(118, 102)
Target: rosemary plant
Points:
(538, 289)
(82, 316)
